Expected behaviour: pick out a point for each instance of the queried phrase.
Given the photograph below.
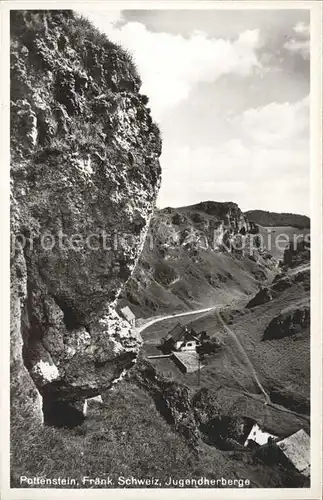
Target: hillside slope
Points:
(194, 257)
(274, 330)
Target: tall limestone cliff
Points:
(85, 174)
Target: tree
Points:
(208, 346)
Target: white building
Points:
(128, 315)
(258, 436)
(297, 450)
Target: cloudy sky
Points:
(230, 93)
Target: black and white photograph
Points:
(161, 215)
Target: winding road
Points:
(141, 328)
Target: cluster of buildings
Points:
(181, 344)
(294, 450)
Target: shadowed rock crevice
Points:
(62, 413)
(70, 318)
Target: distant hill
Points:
(264, 218)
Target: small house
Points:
(128, 315)
(297, 450)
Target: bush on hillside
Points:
(288, 323)
(164, 274)
(263, 296)
(209, 346)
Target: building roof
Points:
(297, 448)
(177, 333)
(188, 360)
(127, 313)
(180, 332)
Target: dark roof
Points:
(176, 334)
(179, 332)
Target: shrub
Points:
(164, 274)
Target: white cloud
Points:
(301, 43)
(275, 123)
(265, 165)
(302, 28)
(170, 65)
(263, 161)
(298, 47)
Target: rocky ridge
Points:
(294, 273)
(195, 256)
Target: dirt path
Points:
(255, 376)
(280, 408)
(299, 269)
(171, 316)
(245, 357)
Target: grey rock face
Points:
(80, 207)
(263, 296)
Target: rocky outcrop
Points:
(85, 175)
(289, 322)
(296, 254)
(195, 416)
(207, 225)
(264, 295)
(228, 212)
(25, 398)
